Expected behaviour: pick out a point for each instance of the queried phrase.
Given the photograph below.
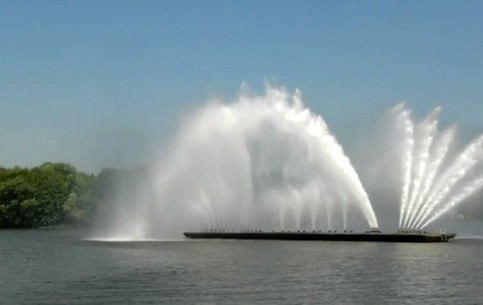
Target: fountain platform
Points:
(369, 236)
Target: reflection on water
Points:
(58, 267)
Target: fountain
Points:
(433, 183)
(260, 161)
(267, 162)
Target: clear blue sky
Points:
(102, 83)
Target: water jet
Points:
(268, 162)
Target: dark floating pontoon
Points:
(369, 236)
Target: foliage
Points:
(58, 194)
(47, 195)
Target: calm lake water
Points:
(58, 267)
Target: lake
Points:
(60, 267)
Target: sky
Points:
(107, 83)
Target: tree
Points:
(50, 194)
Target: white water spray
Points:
(437, 155)
(460, 167)
(262, 162)
(408, 126)
(427, 182)
(267, 162)
(464, 193)
(425, 131)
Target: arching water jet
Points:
(260, 162)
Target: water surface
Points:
(58, 267)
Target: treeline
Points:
(52, 194)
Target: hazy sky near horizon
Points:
(105, 83)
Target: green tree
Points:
(50, 194)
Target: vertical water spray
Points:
(405, 118)
(315, 206)
(425, 133)
(329, 210)
(344, 202)
(437, 155)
